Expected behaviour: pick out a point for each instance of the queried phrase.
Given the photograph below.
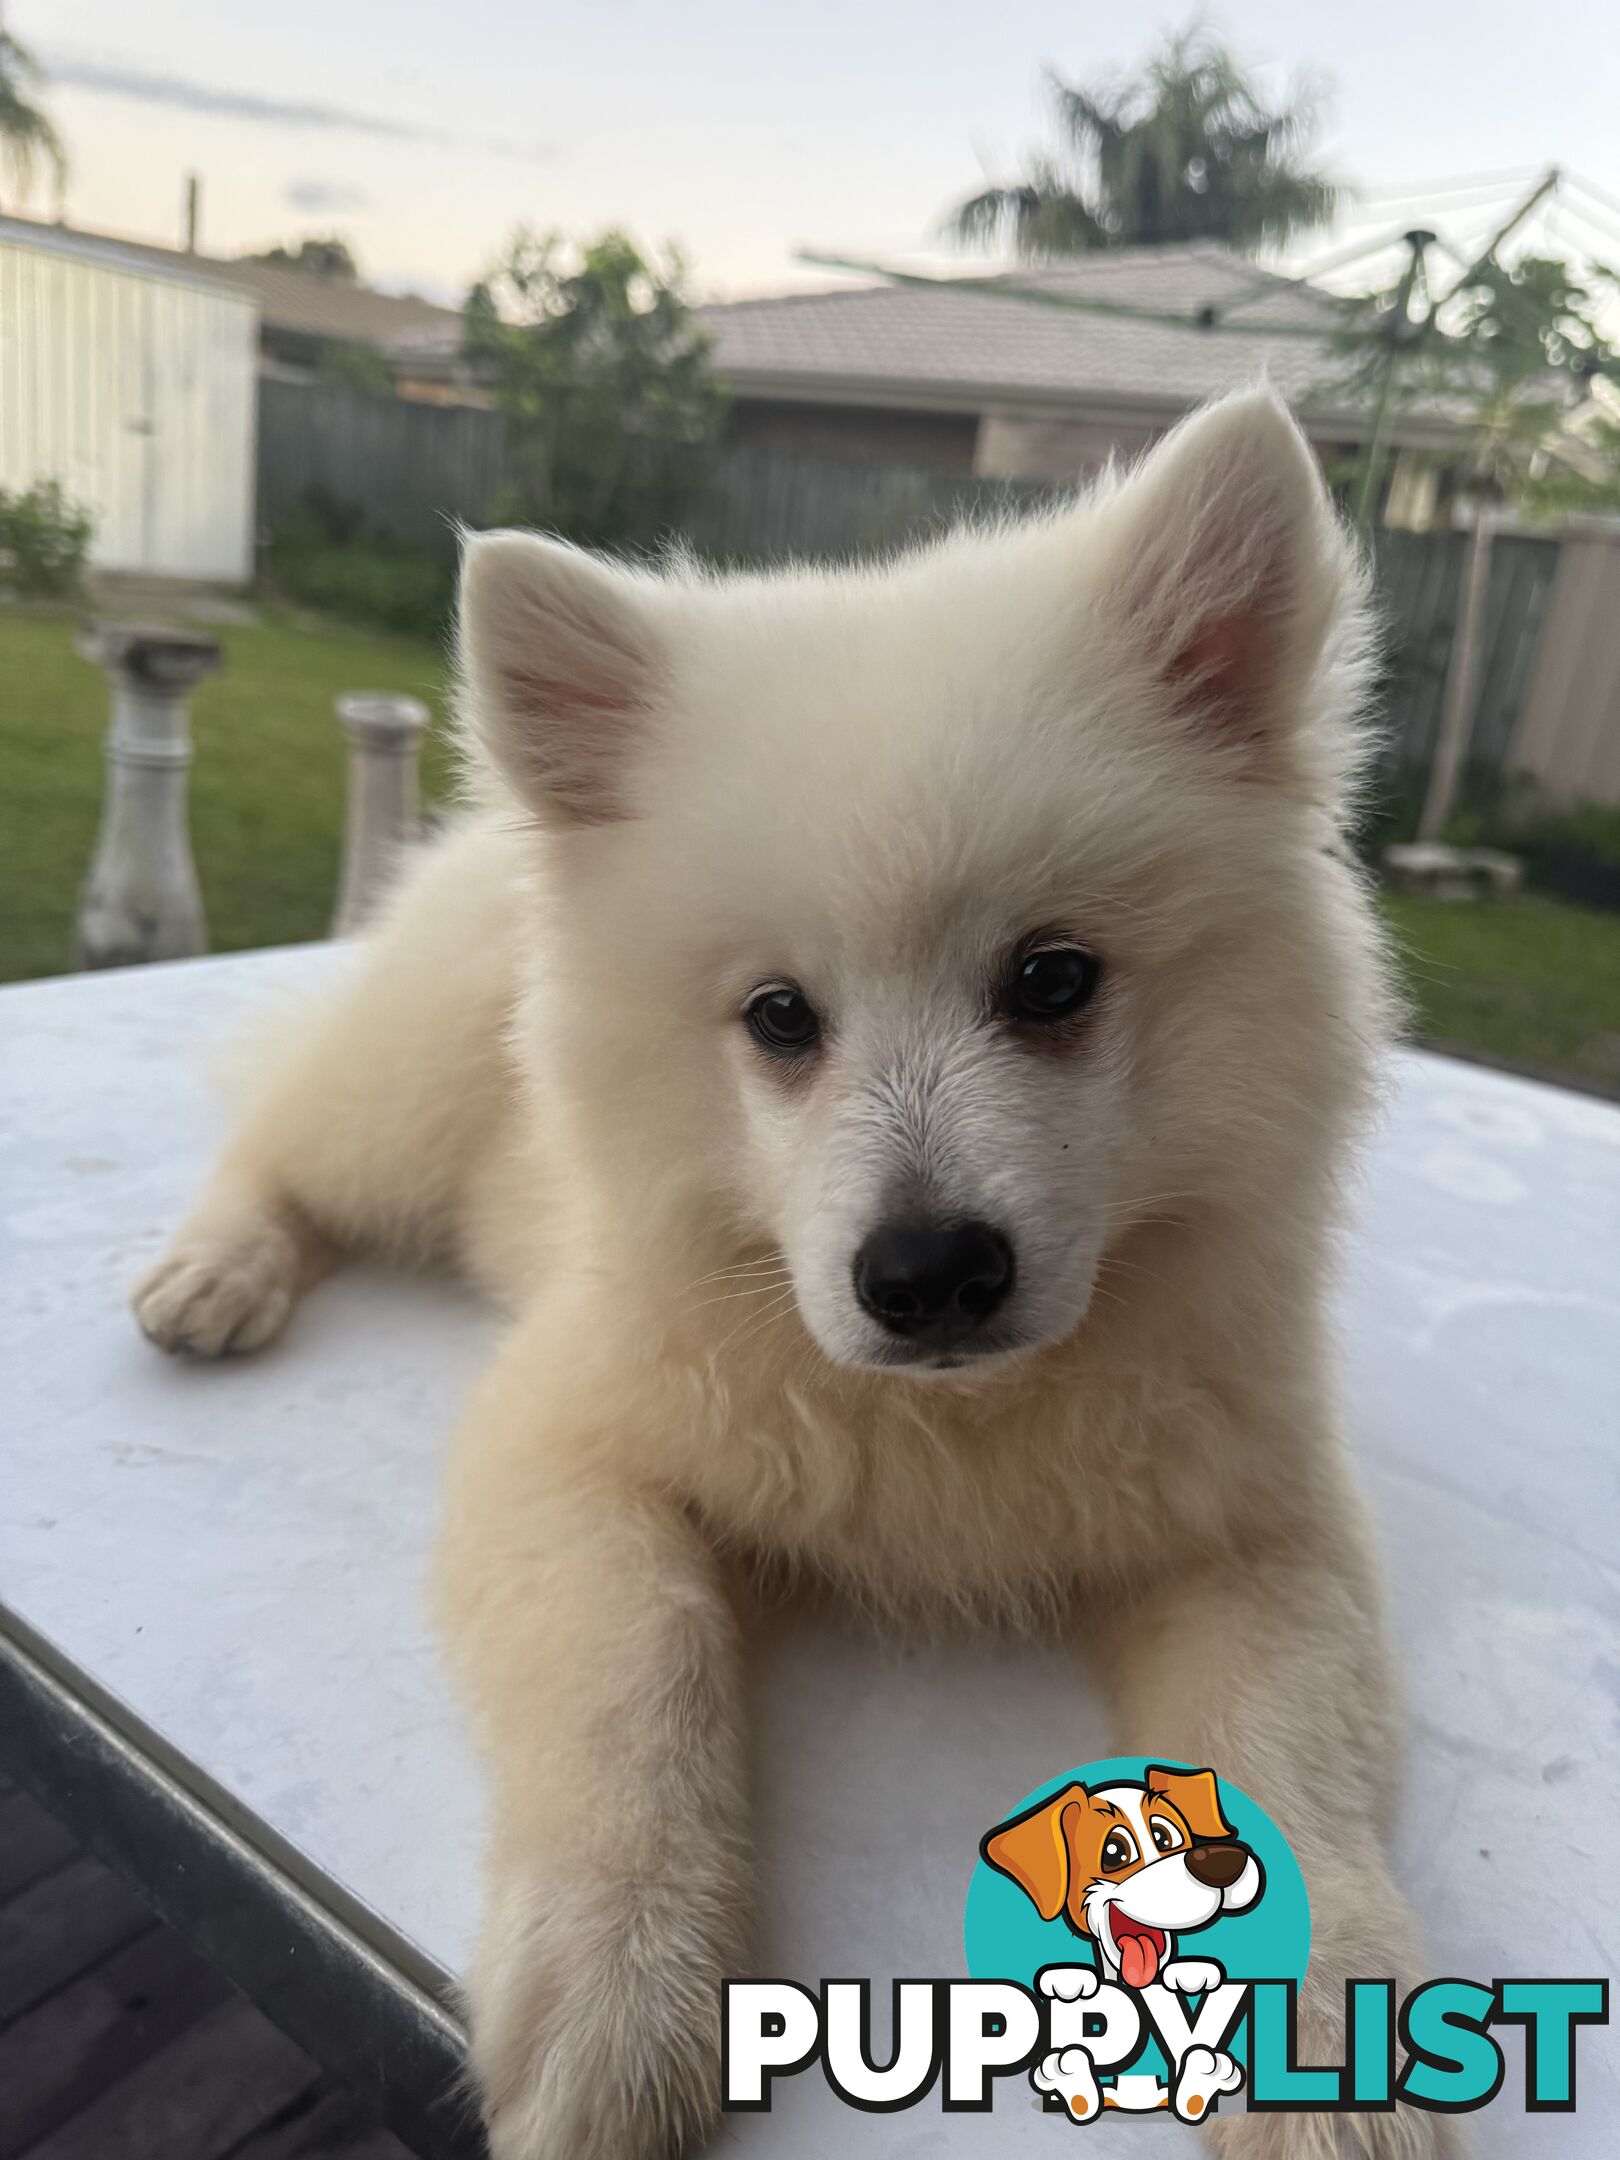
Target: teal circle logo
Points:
(1134, 1866)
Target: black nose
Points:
(939, 1281)
(1217, 1867)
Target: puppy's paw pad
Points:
(217, 1300)
(1068, 1983)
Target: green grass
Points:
(266, 788)
(1532, 981)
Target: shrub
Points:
(383, 584)
(1572, 849)
(597, 359)
(44, 541)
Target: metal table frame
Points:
(357, 1996)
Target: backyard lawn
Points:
(267, 785)
(1532, 981)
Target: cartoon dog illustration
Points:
(1132, 1867)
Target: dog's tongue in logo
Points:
(1141, 1948)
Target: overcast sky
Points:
(739, 128)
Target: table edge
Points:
(333, 1976)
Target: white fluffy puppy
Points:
(895, 1036)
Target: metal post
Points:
(1403, 331)
(141, 900)
(1462, 682)
(385, 738)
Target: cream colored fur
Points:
(872, 781)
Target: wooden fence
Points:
(765, 505)
(1419, 582)
(1568, 740)
(776, 506)
(410, 471)
(380, 465)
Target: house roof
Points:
(293, 301)
(60, 240)
(953, 344)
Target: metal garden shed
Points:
(134, 385)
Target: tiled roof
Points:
(951, 341)
(290, 300)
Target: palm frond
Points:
(1188, 150)
(28, 139)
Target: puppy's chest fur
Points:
(1003, 1500)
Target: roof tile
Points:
(952, 338)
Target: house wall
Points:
(136, 391)
(858, 434)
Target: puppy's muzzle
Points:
(1217, 1867)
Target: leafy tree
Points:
(327, 256)
(1520, 354)
(1531, 335)
(27, 137)
(594, 354)
(358, 367)
(1188, 150)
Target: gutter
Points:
(1408, 431)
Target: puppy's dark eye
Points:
(783, 1019)
(1052, 984)
(1165, 1834)
(1118, 1851)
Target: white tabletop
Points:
(235, 1554)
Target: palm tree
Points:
(1190, 151)
(26, 135)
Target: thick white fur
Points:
(872, 781)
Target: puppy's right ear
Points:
(561, 665)
(1033, 1851)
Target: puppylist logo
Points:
(1136, 1934)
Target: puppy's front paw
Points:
(220, 1296)
(1407, 2134)
(596, 2021)
(1202, 2075)
(1068, 1983)
(1192, 1976)
(1070, 2074)
(1369, 1932)
(1404, 2133)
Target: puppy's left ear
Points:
(1196, 1797)
(1228, 569)
(561, 663)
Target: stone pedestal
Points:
(384, 733)
(1437, 872)
(140, 900)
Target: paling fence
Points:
(411, 471)
(381, 465)
(774, 506)
(1419, 584)
(765, 505)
